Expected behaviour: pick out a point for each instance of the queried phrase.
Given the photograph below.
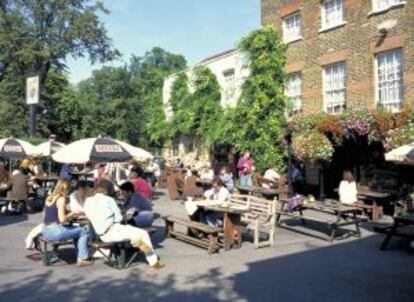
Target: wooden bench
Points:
(118, 251)
(397, 229)
(42, 245)
(210, 243)
(339, 215)
(261, 217)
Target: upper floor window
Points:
(379, 5)
(334, 87)
(333, 13)
(294, 92)
(230, 85)
(389, 76)
(292, 28)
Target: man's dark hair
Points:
(138, 170)
(127, 186)
(82, 184)
(217, 181)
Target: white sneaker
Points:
(412, 244)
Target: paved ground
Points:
(297, 268)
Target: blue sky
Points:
(195, 28)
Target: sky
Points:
(194, 28)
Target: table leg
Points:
(232, 231)
(388, 237)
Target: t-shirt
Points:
(348, 192)
(220, 195)
(141, 186)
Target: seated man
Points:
(271, 175)
(139, 207)
(140, 184)
(207, 173)
(78, 197)
(106, 217)
(220, 194)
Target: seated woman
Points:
(55, 219)
(139, 207)
(348, 189)
(220, 194)
(227, 179)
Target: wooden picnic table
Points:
(343, 215)
(265, 192)
(232, 225)
(400, 222)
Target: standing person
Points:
(55, 219)
(348, 189)
(140, 185)
(153, 169)
(106, 218)
(245, 167)
(139, 207)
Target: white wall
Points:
(220, 65)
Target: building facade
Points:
(230, 71)
(346, 53)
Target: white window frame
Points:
(335, 107)
(296, 96)
(230, 85)
(292, 35)
(384, 5)
(394, 89)
(339, 6)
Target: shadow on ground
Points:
(351, 271)
(12, 219)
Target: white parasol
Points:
(137, 153)
(12, 148)
(399, 155)
(46, 149)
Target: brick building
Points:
(346, 53)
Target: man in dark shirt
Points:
(139, 207)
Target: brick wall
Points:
(355, 42)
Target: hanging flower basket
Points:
(356, 123)
(312, 146)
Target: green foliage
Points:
(198, 114)
(181, 101)
(259, 118)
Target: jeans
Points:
(211, 218)
(143, 219)
(246, 180)
(59, 232)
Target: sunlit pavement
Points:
(296, 268)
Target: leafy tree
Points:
(258, 120)
(148, 73)
(38, 36)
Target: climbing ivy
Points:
(259, 118)
(197, 114)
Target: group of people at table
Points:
(97, 202)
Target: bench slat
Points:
(193, 224)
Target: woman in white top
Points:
(348, 189)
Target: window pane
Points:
(389, 80)
(334, 86)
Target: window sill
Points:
(325, 29)
(294, 40)
(384, 10)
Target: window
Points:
(334, 87)
(379, 5)
(294, 92)
(389, 80)
(230, 87)
(333, 13)
(292, 28)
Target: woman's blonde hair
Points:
(61, 189)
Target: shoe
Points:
(157, 265)
(81, 263)
(412, 244)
